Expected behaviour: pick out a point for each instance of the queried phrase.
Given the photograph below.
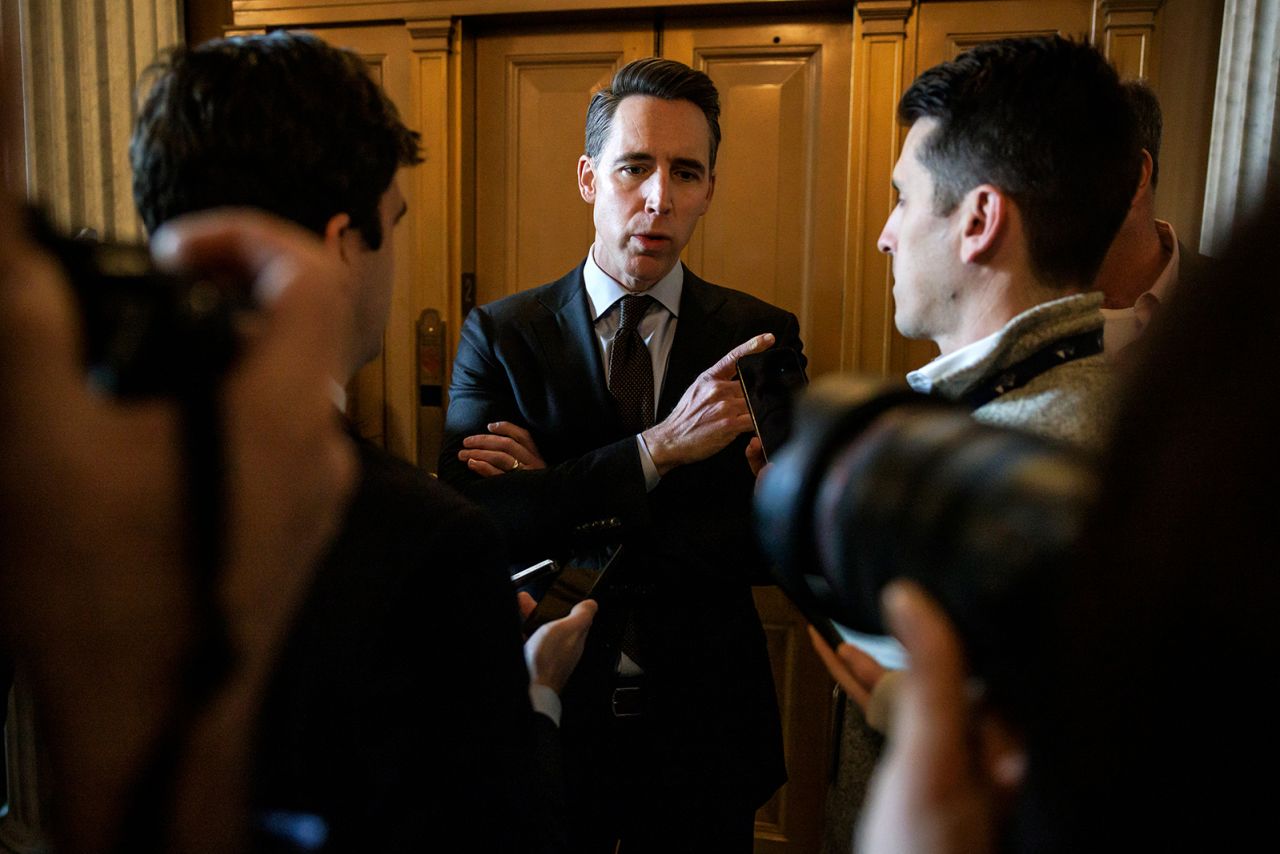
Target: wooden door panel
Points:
(947, 29)
(777, 226)
(532, 89)
(777, 229)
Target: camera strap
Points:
(147, 822)
(1041, 361)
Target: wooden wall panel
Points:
(1190, 32)
(1128, 36)
(776, 227)
(532, 90)
(883, 53)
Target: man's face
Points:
(924, 246)
(648, 187)
(374, 271)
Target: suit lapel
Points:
(569, 343)
(696, 346)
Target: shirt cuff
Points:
(545, 702)
(651, 476)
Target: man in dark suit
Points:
(401, 704)
(602, 408)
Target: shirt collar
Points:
(923, 379)
(603, 290)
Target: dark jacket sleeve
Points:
(574, 502)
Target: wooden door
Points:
(775, 229)
(950, 27)
(531, 91)
(777, 226)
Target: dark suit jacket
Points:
(399, 708)
(534, 359)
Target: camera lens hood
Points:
(830, 414)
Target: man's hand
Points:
(289, 461)
(506, 447)
(711, 413)
(755, 456)
(95, 598)
(931, 793)
(854, 671)
(553, 651)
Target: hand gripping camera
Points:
(879, 483)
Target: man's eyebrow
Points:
(635, 157)
(691, 164)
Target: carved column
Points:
(1244, 153)
(883, 60)
(436, 253)
(80, 62)
(1128, 36)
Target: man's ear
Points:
(337, 231)
(984, 215)
(1147, 166)
(587, 179)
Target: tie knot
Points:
(634, 308)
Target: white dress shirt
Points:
(657, 328)
(1122, 326)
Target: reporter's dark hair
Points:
(1150, 121)
(1044, 120)
(282, 122)
(658, 78)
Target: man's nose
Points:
(658, 192)
(888, 239)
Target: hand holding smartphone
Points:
(572, 585)
(770, 381)
(535, 572)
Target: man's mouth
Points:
(650, 241)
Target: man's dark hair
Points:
(1045, 120)
(1150, 121)
(659, 78)
(282, 122)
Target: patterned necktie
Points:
(631, 384)
(630, 366)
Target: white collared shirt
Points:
(923, 379)
(657, 328)
(1124, 325)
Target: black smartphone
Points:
(536, 572)
(573, 584)
(770, 381)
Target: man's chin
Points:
(645, 272)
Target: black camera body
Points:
(880, 483)
(146, 333)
